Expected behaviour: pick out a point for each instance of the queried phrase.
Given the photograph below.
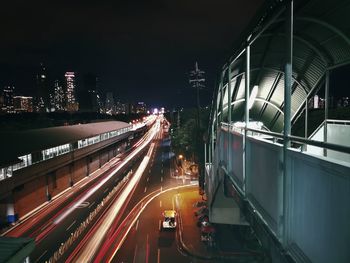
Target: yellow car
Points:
(169, 221)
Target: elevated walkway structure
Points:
(294, 191)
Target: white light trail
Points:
(104, 180)
(90, 248)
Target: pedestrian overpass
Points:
(256, 170)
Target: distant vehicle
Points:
(199, 204)
(169, 220)
(201, 211)
(202, 220)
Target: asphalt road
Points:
(146, 242)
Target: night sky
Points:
(140, 50)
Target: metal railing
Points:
(296, 139)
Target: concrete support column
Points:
(88, 166)
(306, 122)
(246, 118)
(48, 194)
(221, 99)
(10, 211)
(99, 160)
(284, 182)
(326, 106)
(229, 118)
(306, 117)
(71, 183)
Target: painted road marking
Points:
(145, 189)
(105, 190)
(160, 203)
(134, 259)
(137, 224)
(161, 179)
(70, 225)
(38, 260)
(83, 204)
(147, 249)
(91, 204)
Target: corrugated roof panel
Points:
(278, 96)
(268, 115)
(298, 97)
(278, 125)
(338, 49)
(241, 89)
(266, 84)
(254, 112)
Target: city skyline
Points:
(139, 50)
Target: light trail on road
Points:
(108, 243)
(89, 249)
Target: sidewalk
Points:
(231, 243)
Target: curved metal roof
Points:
(19, 143)
(321, 42)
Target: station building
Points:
(36, 165)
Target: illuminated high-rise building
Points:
(89, 96)
(120, 108)
(42, 96)
(23, 104)
(8, 94)
(72, 104)
(70, 86)
(109, 104)
(58, 96)
(141, 107)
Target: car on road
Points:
(201, 211)
(169, 220)
(202, 220)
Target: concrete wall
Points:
(29, 196)
(94, 163)
(3, 210)
(79, 170)
(59, 180)
(103, 158)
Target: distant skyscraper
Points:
(120, 108)
(70, 92)
(23, 104)
(42, 100)
(89, 98)
(8, 94)
(58, 97)
(110, 105)
(141, 107)
(70, 85)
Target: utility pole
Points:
(197, 81)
